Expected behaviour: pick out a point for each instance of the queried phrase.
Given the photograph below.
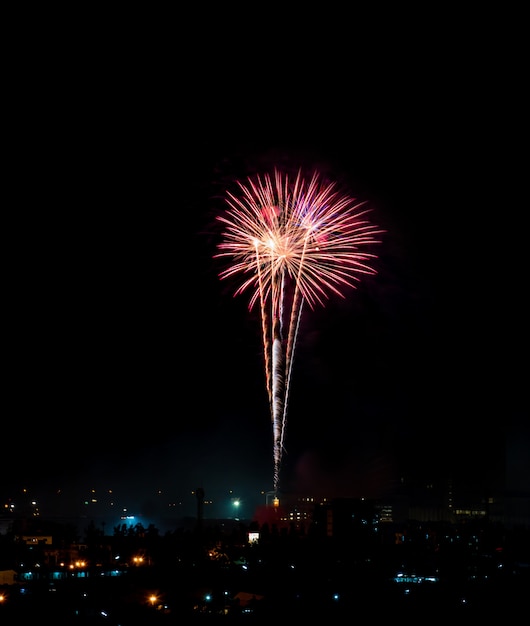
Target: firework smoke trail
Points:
(293, 241)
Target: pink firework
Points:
(292, 241)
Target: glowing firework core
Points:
(294, 241)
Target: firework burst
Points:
(293, 241)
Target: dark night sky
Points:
(128, 362)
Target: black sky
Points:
(127, 360)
